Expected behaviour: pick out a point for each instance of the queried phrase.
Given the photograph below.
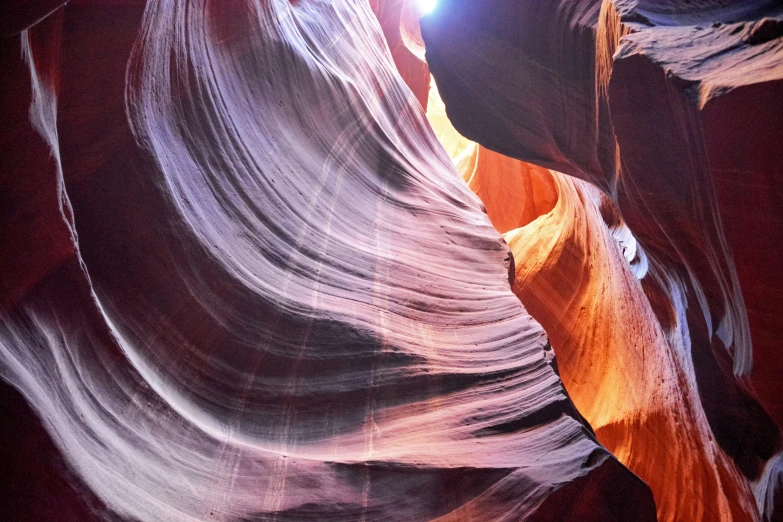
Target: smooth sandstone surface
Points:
(243, 276)
(688, 161)
(244, 281)
(577, 270)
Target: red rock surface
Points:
(673, 111)
(243, 281)
(577, 270)
(243, 276)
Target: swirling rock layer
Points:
(669, 109)
(243, 281)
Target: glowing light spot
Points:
(426, 6)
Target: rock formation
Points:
(670, 110)
(245, 276)
(250, 284)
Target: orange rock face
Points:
(653, 284)
(577, 272)
(244, 275)
(245, 282)
(626, 377)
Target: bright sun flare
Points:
(426, 6)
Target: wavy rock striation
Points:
(577, 271)
(243, 281)
(665, 107)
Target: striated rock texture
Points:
(399, 21)
(672, 110)
(243, 281)
(577, 270)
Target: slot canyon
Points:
(391, 260)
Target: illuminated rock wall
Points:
(244, 276)
(243, 281)
(673, 112)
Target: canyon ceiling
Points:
(311, 260)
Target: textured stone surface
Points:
(245, 282)
(677, 105)
(577, 271)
